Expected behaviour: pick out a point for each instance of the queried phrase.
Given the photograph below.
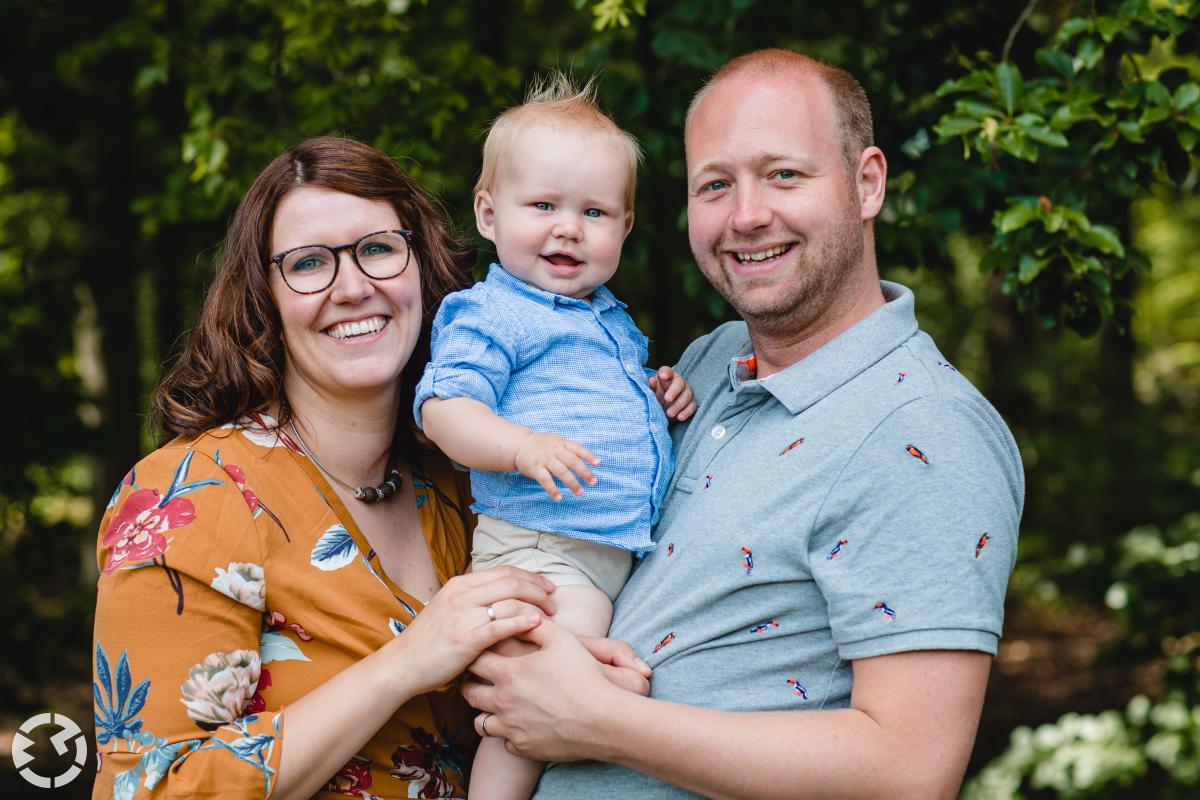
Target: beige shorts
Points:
(564, 561)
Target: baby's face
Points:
(557, 210)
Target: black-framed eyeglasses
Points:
(312, 268)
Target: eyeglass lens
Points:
(311, 269)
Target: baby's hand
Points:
(546, 456)
(674, 394)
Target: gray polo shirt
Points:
(863, 501)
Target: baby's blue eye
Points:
(593, 212)
(542, 206)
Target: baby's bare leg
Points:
(497, 773)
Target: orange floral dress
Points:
(233, 582)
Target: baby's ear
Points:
(485, 215)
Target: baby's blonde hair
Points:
(555, 98)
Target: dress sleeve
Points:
(179, 612)
(915, 542)
(474, 351)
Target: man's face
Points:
(774, 220)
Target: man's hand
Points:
(542, 701)
(674, 394)
(546, 456)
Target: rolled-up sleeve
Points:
(474, 350)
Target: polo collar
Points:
(847, 356)
(602, 298)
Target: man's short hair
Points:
(556, 99)
(851, 107)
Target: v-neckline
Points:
(334, 501)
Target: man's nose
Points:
(751, 210)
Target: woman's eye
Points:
(305, 264)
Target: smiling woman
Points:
(276, 581)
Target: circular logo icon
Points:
(61, 742)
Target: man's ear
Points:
(485, 215)
(871, 182)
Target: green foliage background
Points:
(1042, 202)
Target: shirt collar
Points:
(853, 352)
(602, 298)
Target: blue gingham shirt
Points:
(558, 365)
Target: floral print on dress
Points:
(428, 765)
(218, 690)
(117, 702)
(136, 533)
(334, 550)
(264, 431)
(353, 779)
(243, 582)
(135, 536)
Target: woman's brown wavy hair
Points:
(232, 363)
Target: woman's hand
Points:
(455, 627)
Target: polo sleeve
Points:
(915, 542)
(474, 350)
(177, 661)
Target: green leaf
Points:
(1187, 138)
(953, 125)
(1014, 217)
(1057, 60)
(1043, 134)
(1108, 27)
(1130, 130)
(1186, 96)
(1008, 84)
(1090, 52)
(1104, 238)
(1157, 94)
(1030, 267)
(150, 75)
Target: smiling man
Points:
(819, 612)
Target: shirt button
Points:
(718, 432)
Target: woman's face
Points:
(325, 355)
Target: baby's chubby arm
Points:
(473, 435)
(674, 394)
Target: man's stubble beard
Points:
(810, 292)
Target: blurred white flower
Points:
(219, 688)
(244, 582)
